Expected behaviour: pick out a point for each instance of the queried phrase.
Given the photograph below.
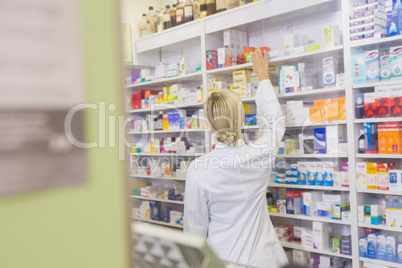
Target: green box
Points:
(313, 47)
(336, 244)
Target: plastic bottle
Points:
(196, 9)
(188, 11)
(203, 8)
(220, 5)
(150, 20)
(166, 18)
(211, 7)
(143, 25)
(180, 13)
(232, 3)
(173, 22)
(160, 20)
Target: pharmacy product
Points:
(383, 177)
(385, 67)
(336, 244)
(371, 136)
(400, 253)
(372, 176)
(372, 66)
(372, 246)
(361, 175)
(320, 141)
(346, 245)
(391, 248)
(311, 173)
(184, 65)
(324, 209)
(329, 173)
(293, 205)
(382, 247)
(310, 201)
(331, 36)
(382, 98)
(328, 66)
(359, 68)
(307, 238)
(396, 101)
(319, 178)
(320, 235)
(395, 179)
(370, 105)
(363, 247)
(396, 62)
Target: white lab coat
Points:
(225, 197)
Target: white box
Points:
(297, 231)
(360, 214)
(320, 235)
(361, 175)
(372, 66)
(307, 238)
(300, 257)
(184, 65)
(332, 142)
(310, 201)
(395, 179)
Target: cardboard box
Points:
(371, 138)
(372, 66)
(320, 235)
(382, 95)
(396, 101)
(372, 176)
(390, 138)
(370, 105)
(359, 68)
(395, 179)
(396, 62)
(361, 175)
(320, 141)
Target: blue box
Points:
(371, 138)
(174, 119)
(394, 22)
(320, 139)
(359, 68)
(250, 120)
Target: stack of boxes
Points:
(374, 65)
(242, 83)
(235, 42)
(383, 138)
(381, 246)
(328, 110)
(306, 259)
(369, 20)
(311, 203)
(378, 176)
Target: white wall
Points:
(131, 13)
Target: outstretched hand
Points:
(260, 64)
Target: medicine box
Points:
(363, 247)
(331, 36)
(395, 179)
(396, 62)
(372, 246)
(371, 138)
(293, 205)
(307, 238)
(324, 209)
(372, 66)
(320, 141)
(359, 68)
(302, 173)
(372, 176)
(391, 248)
(383, 177)
(390, 138)
(361, 175)
(396, 101)
(320, 235)
(310, 201)
(328, 173)
(370, 105)
(385, 67)
(346, 245)
(382, 98)
(329, 65)
(311, 173)
(319, 178)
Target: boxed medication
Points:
(361, 175)
(324, 209)
(394, 22)
(396, 62)
(336, 244)
(332, 36)
(311, 173)
(372, 177)
(346, 245)
(212, 59)
(385, 67)
(293, 205)
(383, 179)
(302, 173)
(310, 201)
(391, 248)
(372, 246)
(390, 138)
(329, 65)
(382, 95)
(371, 138)
(359, 68)
(184, 65)
(320, 235)
(300, 257)
(307, 238)
(395, 179)
(319, 178)
(396, 101)
(370, 105)
(329, 173)
(382, 247)
(320, 141)
(363, 247)
(372, 66)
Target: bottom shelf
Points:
(379, 262)
(160, 223)
(298, 246)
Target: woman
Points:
(225, 189)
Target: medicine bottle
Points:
(203, 8)
(211, 7)
(196, 9)
(180, 13)
(361, 142)
(220, 5)
(160, 20)
(173, 16)
(156, 21)
(232, 3)
(150, 20)
(143, 25)
(188, 11)
(166, 18)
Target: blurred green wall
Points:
(84, 226)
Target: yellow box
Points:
(372, 176)
(139, 184)
(316, 114)
(322, 102)
(332, 111)
(249, 108)
(240, 80)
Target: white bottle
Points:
(143, 26)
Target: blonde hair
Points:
(225, 114)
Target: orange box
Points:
(332, 111)
(247, 53)
(316, 114)
(390, 138)
(322, 102)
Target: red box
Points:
(382, 102)
(396, 106)
(212, 59)
(136, 99)
(370, 105)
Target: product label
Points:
(179, 15)
(188, 11)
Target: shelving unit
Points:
(298, 246)
(158, 199)
(164, 108)
(378, 120)
(307, 218)
(380, 227)
(379, 262)
(206, 34)
(160, 223)
(310, 187)
(156, 177)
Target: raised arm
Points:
(269, 113)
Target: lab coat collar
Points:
(221, 145)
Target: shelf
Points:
(317, 124)
(167, 131)
(229, 70)
(377, 43)
(192, 77)
(167, 107)
(158, 199)
(160, 223)
(307, 218)
(369, 191)
(319, 92)
(298, 246)
(155, 177)
(312, 155)
(309, 187)
(130, 66)
(170, 36)
(259, 10)
(164, 154)
(378, 120)
(380, 227)
(389, 156)
(379, 84)
(379, 262)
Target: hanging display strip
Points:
(320, 66)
